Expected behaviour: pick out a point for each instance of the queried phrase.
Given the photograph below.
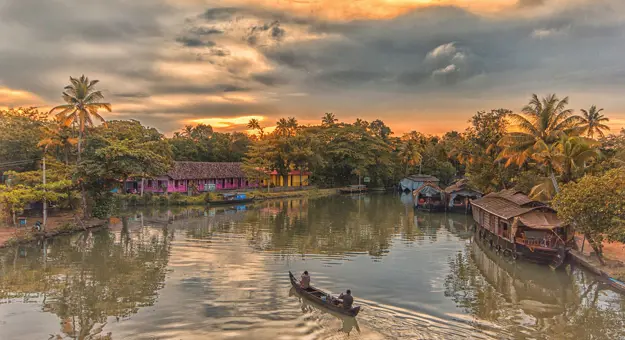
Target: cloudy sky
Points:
(423, 65)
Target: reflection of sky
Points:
(221, 284)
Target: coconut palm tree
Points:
(410, 155)
(540, 125)
(329, 119)
(83, 102)
(254, 124)
(591, 122)
(566, 156)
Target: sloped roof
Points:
(508, 203)
(427, 185)
(205, 170)
(423, 178)
(460, 185)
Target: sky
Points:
(425, 65)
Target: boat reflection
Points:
(307, 306)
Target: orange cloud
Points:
(373, 9)
(14, 98)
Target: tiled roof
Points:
(205, 170)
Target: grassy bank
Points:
(177, 199)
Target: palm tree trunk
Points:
(83, 192)
(554, 181)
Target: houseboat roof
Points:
(425, 185)
(205, 170)
(423, 178)
(512, 203)
(460, 185)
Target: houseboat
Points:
(515, 225)
(429, 197)
(353, 189)
(459, 196)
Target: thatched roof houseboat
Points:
(516, 225)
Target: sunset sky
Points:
(424, 65)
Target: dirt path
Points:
(614, 255)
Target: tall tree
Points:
(542, 123)
(591, 122)
(83, 102)
(595, 205)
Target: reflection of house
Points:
(293, 179)
(512, 222)
(190, 177)
(459, 195)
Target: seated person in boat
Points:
(348, 300)
(305, 280)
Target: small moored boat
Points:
(320, 297)
(232, 198)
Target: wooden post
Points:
(45, 201)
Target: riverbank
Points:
(614, 258)
(67, 223)
(62, 224)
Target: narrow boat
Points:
(353, 189)
(320, 297)
(232, 198)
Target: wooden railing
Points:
(542, 243)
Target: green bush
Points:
(162, 200)
(103, 205)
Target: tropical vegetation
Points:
(546, 150)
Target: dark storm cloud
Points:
(195, 42)
(132, 95)
(403, 48)
(269, 79)
(205, 31)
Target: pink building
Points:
(194, 177)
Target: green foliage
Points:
(596, 207)
(122, 149)
(201, 144)
(21, 129)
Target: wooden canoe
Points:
(315, 295)
(233, 201)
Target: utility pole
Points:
(45, 201)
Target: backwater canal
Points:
(221, 273)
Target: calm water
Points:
(222, 274)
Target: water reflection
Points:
(87, 278)
(348, 323)
(221, 273)
(531, 300)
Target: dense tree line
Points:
(540, 150)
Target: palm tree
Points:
(410, 155)
(254, 124)
(329, 119)
(59, 136)
(287, 127)
(591, 122)
(83, 104)
(540, 126)
(565, 156)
